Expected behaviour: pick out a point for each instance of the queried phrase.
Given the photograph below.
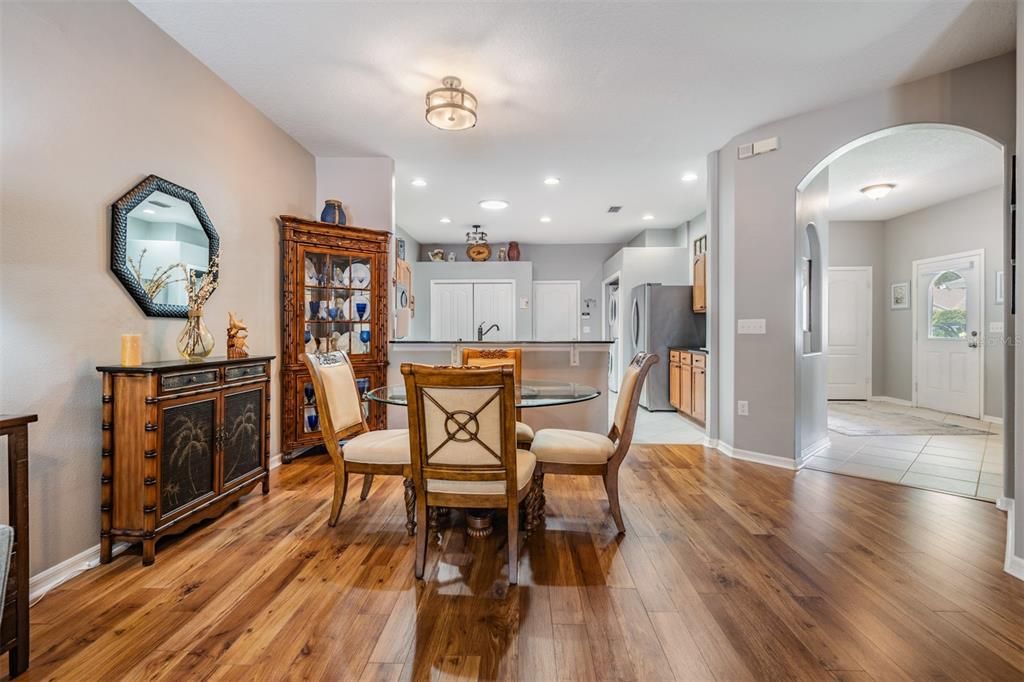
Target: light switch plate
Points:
(767, 145)
(524, 303)
(586, 330)
(745, 151)
(754, 326)
(995, 327)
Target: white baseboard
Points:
(889, 399)
(992, 420)
(759, 457)
(1014, 564)
(44, 581)
(711, 443)
(1004, 503)
(815, 448)
(54, 576)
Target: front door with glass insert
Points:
(948, 310)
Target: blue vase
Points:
(314, 421)
(314, 309)
(360, 310)
(333, 213)
(309, 392)
(364, 336)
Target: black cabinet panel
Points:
(243, 433)
(187, 453)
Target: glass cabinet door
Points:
(337, 303)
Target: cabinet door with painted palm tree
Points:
(188, 451)
(243, 434)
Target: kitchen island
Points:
(584, 362)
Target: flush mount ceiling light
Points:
(451, 107)
(494, 204)
(647, 216)
(551, 181)
(545, 219)
(419, 182)
(879, 191)
(446, 220)
(689, 177)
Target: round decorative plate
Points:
(479, 252)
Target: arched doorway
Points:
(908, 183)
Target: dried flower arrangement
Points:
(161, 276)
(195, 341)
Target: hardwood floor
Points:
(728, 571)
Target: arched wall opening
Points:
(811, 300)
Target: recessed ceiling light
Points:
(878, 191)
(551, 181)
(689, 177)
(446, 220)
(419, 182)
(494, 204)
(545, 219)
(148, 210)
(647, 216)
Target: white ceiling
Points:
(617, 99)
(928, 166)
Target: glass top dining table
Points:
(532, 393)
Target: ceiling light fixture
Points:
(446, 220)
(878, 191)
(451, 107)
(689, 177)
(551, 181)
(545, 219)
(647, 216)
(494, 204)
(419, 182)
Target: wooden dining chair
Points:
(582, 453)
(491, 357)
(464, 455)
(366, 452)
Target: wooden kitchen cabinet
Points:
(699, 391)
(700, 289)
(673, 384)
(688, 387)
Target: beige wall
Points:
(95, 97)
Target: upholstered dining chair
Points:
(366, 452)
(490, 357)
(463, 440)
(582, 453)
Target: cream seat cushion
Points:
(524, 434)
(525, 464)
(564, 446)
(390, 446)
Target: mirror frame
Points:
(119, 211)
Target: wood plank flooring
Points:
(728, 571)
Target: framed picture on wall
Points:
(999, 287)
(899, 296)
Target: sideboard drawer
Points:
(240, 372)
(183, 381)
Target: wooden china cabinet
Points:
(334, 297)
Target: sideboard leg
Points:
(266, 483)
(148, 552)
(106, 550)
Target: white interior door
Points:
(849, 333)
(494, 303)
(451, 311)
(949, 321)
(556, 311)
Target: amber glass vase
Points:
(195, 341)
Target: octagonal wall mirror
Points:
(160, 234)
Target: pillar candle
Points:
(131, 350)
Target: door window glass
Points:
(947, 306)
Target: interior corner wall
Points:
(761, 245)
(364, 185)
(95, 98)
(726, 258)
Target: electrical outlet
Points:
(586, 330)
(743, 408)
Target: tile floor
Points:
(662, 428)
(965, 465)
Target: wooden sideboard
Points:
(14, 626)
(181, 442)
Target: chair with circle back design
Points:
(490, 357)
(464, 455)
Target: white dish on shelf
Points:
(357, 276)
(310, 271)
(349, 309)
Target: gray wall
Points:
(758, 236)
(658, 237)
(860, 243)
(968, 223)
(110, 99)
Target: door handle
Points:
(973, 343)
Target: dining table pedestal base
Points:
(479, 522)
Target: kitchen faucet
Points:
(480, 333)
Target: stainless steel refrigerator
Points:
(662, 317)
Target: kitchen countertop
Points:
(496, 343)
(703, 351)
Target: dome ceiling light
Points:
(451, 107)
(494, 204)
(879, 191)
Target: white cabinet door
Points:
(849, 333)
(494, 303)
(451, 311)
(556, 311)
